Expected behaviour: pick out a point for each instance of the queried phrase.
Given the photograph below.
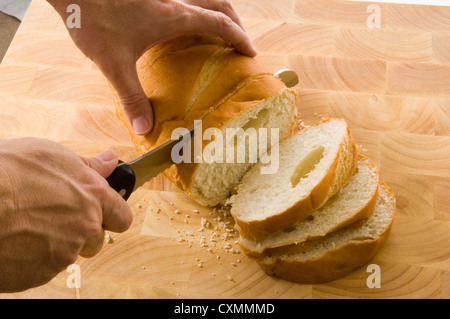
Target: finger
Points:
(135, 104)
(104, 163)
(223, 6)
(117, 215)
(213, 23)
(92, 246)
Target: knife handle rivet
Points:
(122, 192)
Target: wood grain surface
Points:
(391, 84)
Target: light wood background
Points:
(391, 84)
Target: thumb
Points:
(104, 163)
(134, 102)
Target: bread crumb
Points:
(205, 223)
(177, 211)
(230, 278)
(108, 239)
(196, 211)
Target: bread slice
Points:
(353, 202)
(313, 165)
(202, 78)
(337, 254)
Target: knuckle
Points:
(224, 21)
(93, 229)
(97, 187)
(86, 162)
(130, 101)
(226, 6)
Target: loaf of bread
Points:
(314, 164)
(353, 202)
(201, 78)
(337, 254)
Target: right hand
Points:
(54, 206)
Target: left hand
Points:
(114, 34)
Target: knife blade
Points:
(127, 177)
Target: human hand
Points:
(54, 206)
(114, 34)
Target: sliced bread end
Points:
(337, 254)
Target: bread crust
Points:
(338, 174)
(335, 263)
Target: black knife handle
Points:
(122, 180)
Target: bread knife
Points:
(127, 177)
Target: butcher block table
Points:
(384, 68)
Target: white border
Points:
(425, 2)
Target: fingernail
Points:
(141, 125)
(107, 156)
(255, 51)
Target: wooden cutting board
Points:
(389, 81)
